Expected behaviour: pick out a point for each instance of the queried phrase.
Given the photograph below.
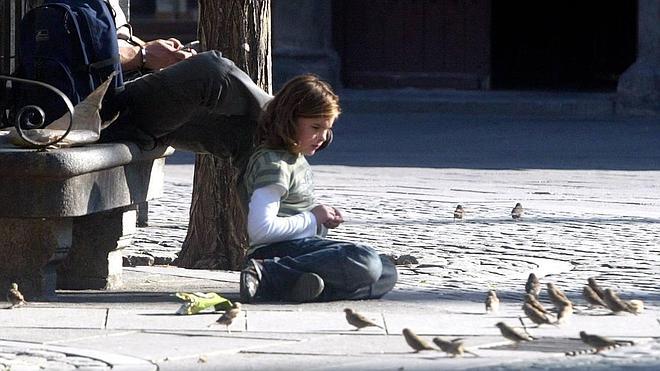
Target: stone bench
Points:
(65, 214)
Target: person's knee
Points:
(368, 262)
(212, 64)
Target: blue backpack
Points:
(70, 44)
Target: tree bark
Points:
(217, 236)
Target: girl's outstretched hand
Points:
(336, 221)
(330, 217)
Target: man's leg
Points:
(219, 135)
(162, 102)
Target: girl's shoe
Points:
(250, 280)
(307, 288)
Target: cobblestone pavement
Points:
(577, 224)
(18, 357)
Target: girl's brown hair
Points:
(302, 96)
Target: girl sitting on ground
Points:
(289, 257)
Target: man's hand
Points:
(163, 53)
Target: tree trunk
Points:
(217, 236)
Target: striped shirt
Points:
(291, 172)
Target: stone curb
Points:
(34, 352)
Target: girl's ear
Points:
(327, 141)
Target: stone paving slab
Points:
(307, 322)
(34, 356)
(156, 319)
(54, 318)
(317, 335)
(162, 346)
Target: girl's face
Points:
(311, 132)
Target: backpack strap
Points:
(104, 63)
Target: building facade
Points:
(559, 45)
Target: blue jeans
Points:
(349, 270)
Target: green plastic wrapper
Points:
(195, 302)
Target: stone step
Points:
(515, 103)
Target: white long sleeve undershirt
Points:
(263, 224)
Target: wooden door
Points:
(413, 43)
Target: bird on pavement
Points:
(557, 297)
(594, 286)
(14, 297)
(564, 310)
(533, 286)
(459, 212)
(635, 306)
(536, 316)
(453, 348)
(228, 316)
(614, 303)
(592, 297)
(597, 342)
(415, 341)
(358, 320)
(517, 211)
(531, 300)
(492, 302)
(511, 334)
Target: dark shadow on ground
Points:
(489, 142)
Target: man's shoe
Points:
(307, 288)
(250, 280)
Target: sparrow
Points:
(512, 334)
(592, 297)
(517, 211)
(564, 310)
(533, 286)
(458, 213)
(614, 303)
(14, 297)
(557, 297)
(536, 316)
(228, 316)
(406, 259)
(453, 348)
(635, 306)
(492, 302)
(594, 286)
(597, 342)
(415, 341)
(358, 320)
(533, 301)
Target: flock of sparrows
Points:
(516, 212)
(453, 347)
(532, 307)
(537, 313)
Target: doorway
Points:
(562, 44)
(420, 43)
